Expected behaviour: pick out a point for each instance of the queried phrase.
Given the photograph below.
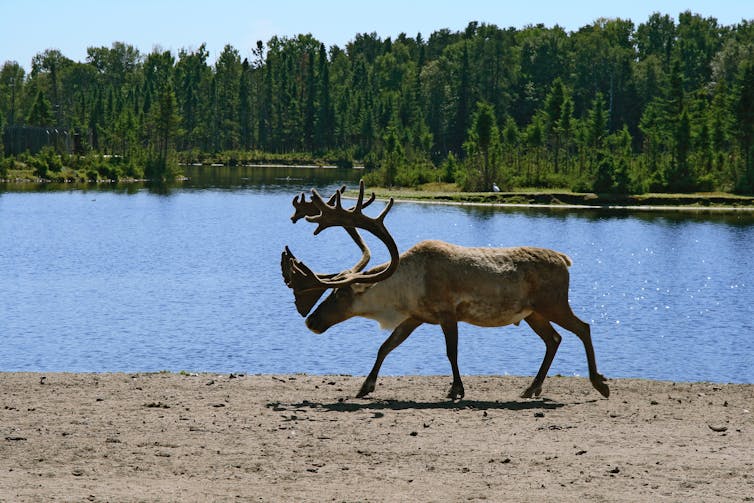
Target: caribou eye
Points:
(344, 292)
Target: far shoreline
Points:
(637, 208)
(448, 194)
(691, 203)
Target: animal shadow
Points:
(398, 405)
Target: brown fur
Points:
(443, 284)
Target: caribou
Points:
(437, 283)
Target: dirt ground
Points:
(208, 437)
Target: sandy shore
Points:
(208, 437)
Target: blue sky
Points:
(28, 27)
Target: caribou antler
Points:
(333, 214)
(306, 208)
(307, 285)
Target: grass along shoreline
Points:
(448, 193)
(445, 194)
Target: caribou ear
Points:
(300, 278)
(306, 300)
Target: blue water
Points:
(190, 280)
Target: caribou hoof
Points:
(366, 388)
(533, 390)
(456, 391)
(600, 386)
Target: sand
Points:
(209, 437)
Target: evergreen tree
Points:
(597, 123)
(679, 176)
(227, 99)
(483, 149)
(245, 113)
(41, 111)
(324, 119)
(554, 108)
(165, 123)
(309, 108)
(12, 91)
(462, 109)
(744, 119)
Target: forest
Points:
(663, 106)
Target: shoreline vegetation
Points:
(533, 198)
(218, 437)
(448, 193)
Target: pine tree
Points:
(744, 117)
(679, 175)
(554, 102)
(165, 126)
(245, 113)
(462, 109)
(483, 148)
(41, 111)
(324, 119)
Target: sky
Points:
(28, 27)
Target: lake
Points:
(130, 279)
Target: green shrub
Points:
(6, 164)
(706, 183)
(604, 179)
(655, 183)
(39, 167)
(449, 168)
(52, 159)
(581, 184)
(133, 170)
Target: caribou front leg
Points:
(399, 335)
(450, 329)
(544, 329)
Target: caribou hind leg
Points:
(572, 323)
(399, 335)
